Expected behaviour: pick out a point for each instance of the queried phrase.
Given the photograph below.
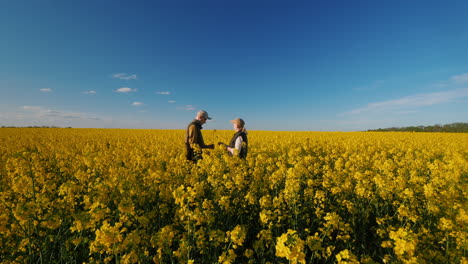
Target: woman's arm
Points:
(237, 146)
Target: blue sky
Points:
(279, 65)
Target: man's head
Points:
(202, 116)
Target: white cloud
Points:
(41, 116)
(187, 107)
(460, 79)
(90, 92)
(46, 90)
(420, 100)
(137, 103)
(124, 76)
(125, 90)
(412, 101)
(171, 102)
(164, 93)
(453, 81)
(31, 108)
(42, 113)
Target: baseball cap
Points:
(203, 113)
(238, 121)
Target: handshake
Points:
(212, 146)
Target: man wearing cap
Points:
(194, 140)
(239, 143)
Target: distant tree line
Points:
(451, 128)
(32, 127)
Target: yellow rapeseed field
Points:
(129, 196)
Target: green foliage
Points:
(448, 128)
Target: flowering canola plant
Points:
(129, 196)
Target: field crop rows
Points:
(129, 196)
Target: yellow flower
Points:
(291, 247)
(346, 256)
(237, 235)
(404, 241)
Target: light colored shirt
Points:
(237, 146)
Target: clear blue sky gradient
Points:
(279, 65)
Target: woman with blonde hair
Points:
(239, 142)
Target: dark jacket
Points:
(245, 143)
(194, 140)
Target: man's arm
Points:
(192, 135)
(196, 138)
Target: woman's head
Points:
(238, 123)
